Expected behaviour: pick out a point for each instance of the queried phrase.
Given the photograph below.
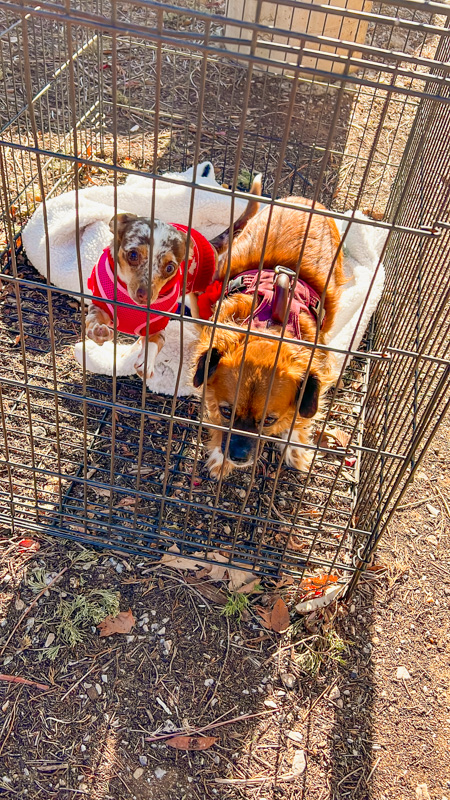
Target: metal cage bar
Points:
(96, 94)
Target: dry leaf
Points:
(192, 742)
(178, 562)
(248, 588)
(122, 623)
(279, 618)
(102, 492)
(208, 590)
(126, 501)
(318, 602)
(317, 582)
(265, 617)
(342, 437)
(28, 544)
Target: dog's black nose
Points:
(240, 448)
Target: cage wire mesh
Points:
(350, 109)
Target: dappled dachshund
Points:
(148, 291)
(141, 287)
(219, 356)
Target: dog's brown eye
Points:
(226, 411)
(270, 420)
(133, 256)
(170, 268)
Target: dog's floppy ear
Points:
(199, 375)
(122, 221)
(310, 400)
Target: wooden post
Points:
(318, 23)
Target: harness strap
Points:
(305, 298)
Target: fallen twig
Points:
(327, 689)
(27, 610)
(17, 679)
(444, 501)
(74, 686)
(207, 727)
(415, 503)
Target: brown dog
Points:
(285, 239)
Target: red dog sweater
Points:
(134, 320)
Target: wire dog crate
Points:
(93, 92)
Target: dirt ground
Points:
(185, 666)
(317, 713)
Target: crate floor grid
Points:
(71, 465)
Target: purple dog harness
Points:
(269, 289)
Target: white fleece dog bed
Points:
(211, 215)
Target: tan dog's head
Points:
(222, 375)
(136, 239)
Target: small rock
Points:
(209, 681)
(119, 568)
(134, 129)
(295, 736)
(49, 640)
(288, 680)
(137, 773)
(434, 513)
(104, 677)
(270, 704)
(38, 430)
(7, 660)
(161, 631)
(99, 688)
(402, 674)
(159, 773)
(299, 762)
(143, 761)
(83, 748)
(19, 605)
(340, 702)
(5, 706)
(335, 693)
(92, 693)
(422, 792)
(169, 726)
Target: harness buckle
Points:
(280, 270)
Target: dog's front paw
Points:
(214, 464)
(100, 333)
(143, 367)
(298, 458)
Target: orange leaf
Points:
(192, 742)
(28, 544)
(279, 618)
(317, 582)
(342, 437)
(122, 623)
